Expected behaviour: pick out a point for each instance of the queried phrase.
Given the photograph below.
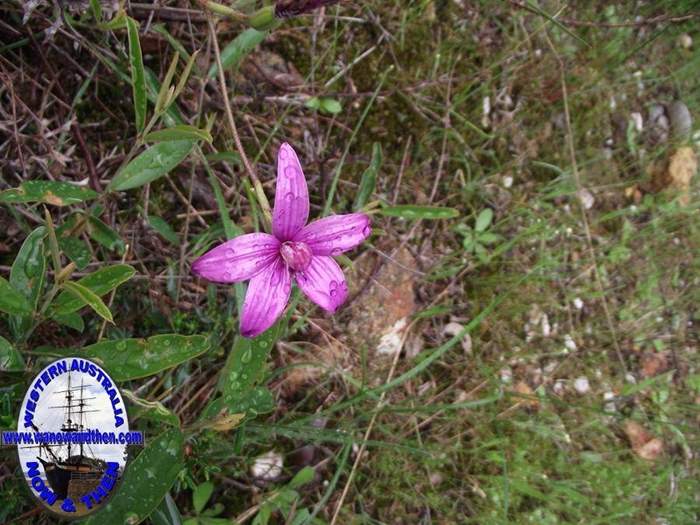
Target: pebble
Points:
(268, 466)
(581, 385)
(685, 41)
(578, 303)
(569, 343)
(681, 120)
(586, 198)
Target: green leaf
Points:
(96, 8)
(90, 298)
(76, 250)
(304, 476)
(48, 192)
(10, 358)
(138, 77)
(152, 164)
(369, 178)
(484, 219)
(164, 229)
(410, 211)
(27, 276)
(201, 495)
(105, 235)
(153, 410)
(331, 105)
(118, 22)
(146, 481)
(133, 358)
(237, 49)
(179, 132)
(225, 156)
(72, 320)
(11, 301)
(100, 282)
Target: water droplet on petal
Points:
(230, 252)
(289, 196)
(336, 251)
(333, 285)
(290, 171)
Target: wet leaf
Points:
(89, 298)
(27, 275)
(369, 178)
(180, 132)
(48, 192)
(105, 235)
(72, 320)
(76, 250)
(11, 301)
(133, 358)
(146, 481)
(155, 162)
(10, 358)
(410, 211)
(100, 282)
(238, 49)
(138, 77)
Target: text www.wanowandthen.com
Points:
(85, 437)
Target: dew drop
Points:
(333, 285)
(121, 345)
(336, 251)
(290, 171)
(289, 196)
(247, 355)
(230, 252)
(334, 292)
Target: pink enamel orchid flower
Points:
(295, 251)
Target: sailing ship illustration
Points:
(71, 472)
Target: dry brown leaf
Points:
(528, 399)
(678, 173)
(643, 443)
(653, 364)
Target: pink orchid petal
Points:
(238, 259)
(267, 296)
(324, 283)
(335, 234)
(291, 209)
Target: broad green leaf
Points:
(313, 103)
(11, 301)
(146, 481)
(138, 77)
(72, 320)
(180, 132)
(237, 49)
(27, 275)
(246, 363)
(10, 358)
(89, 298)
(133, 358)
(484, 219)
(201, 495)
(152, 164)
(153, 410)
(100, 282)
(48, 192)
(410, 211)
(164, 229)
(304, 476)
(76, 250)
(105, 235)
(369, 178)
(331, 105)
(167, 513)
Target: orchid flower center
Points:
(297, 255)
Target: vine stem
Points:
(260, 194)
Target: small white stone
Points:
(569, 343)
(610, 405)
(268, 466)
(685, 41)
(390, 343)
(630, 378)
(586, 198)
(558, 387)
(581, 385)
(507, 181)
(506, 375)
(578, 303)
(637, 120)
(546, 328)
